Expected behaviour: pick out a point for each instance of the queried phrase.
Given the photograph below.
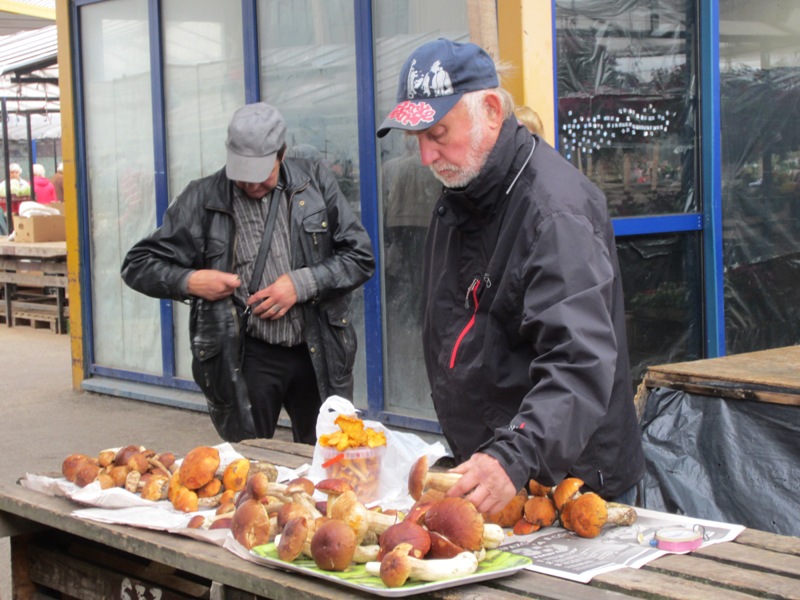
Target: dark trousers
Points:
(279, 376)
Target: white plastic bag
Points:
(402, 450)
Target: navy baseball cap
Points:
(433, 79)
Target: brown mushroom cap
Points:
(257, 485)
(300, 484)
(416, 477)
(458, 520)
(565, 491)
(405, 532)
(124, 454)
(586, 515)
(347, 508)
(511, 512)
(250, 524)
(155, 488)
(87, 472)
(292, 539)
(540, 511)
(333, 545)
(69, 468)
(396, 567)
(441, 547)
(199, 467)
(235, 474)
(537, 489)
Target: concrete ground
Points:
(42, 419)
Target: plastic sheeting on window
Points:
(735, 461)
(627, 96)
(761, 206)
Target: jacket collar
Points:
(480, 201)
(294, 179)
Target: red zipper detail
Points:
(473, 290)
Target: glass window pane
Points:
(663, 299)
(119, 165)
(308, 71)
(759, 90)
(626, 100)
(204, 83)
(408, 192)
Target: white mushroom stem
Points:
(432, 569)
(493, 535)
(620, 514)
(364, 554)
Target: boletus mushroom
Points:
(420, 478)
(333, 545)
(397, 567)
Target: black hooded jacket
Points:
(524, 331)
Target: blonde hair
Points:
(38, 170)
(528, 117)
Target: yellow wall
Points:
(70, 190)
(525, 31)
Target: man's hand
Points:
(211, 284)
(484, 483)
(275, 300)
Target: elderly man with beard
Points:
(524, 327)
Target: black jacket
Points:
(199, 232)
(524, 330)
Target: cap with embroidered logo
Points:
(256, 133)
(433, 79)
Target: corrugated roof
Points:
(27, 51)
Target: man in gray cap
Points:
(267, 251)
(524, 328)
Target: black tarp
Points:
(735, 461)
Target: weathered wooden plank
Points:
(730, 575)
(156, 573)
(530, 584)
(35, 250)
(757, 558)
(34, 279)
(722, 389)
(773, 370)
(303, 450)
(646, 582)
(70, 575)
(785, 544)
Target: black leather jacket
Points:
(524, 330)
(199, 232)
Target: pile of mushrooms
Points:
(535, 506)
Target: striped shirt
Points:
(251, 219)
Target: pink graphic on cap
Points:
(411, 114)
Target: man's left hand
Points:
(484, 483)
(275, 300)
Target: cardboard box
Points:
(57, 205)
(39, 228)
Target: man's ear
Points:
(493, 105)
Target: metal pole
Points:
(7, 173)
(31, 155)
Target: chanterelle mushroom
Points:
(397, 567)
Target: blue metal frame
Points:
(657, 224)
(160, 170)
(84, 250)
(252, 66)
(367, 153)
(711, 159)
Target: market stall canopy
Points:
(29, 83)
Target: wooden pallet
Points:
(38, 320)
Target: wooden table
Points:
(89, 560)
(40, 265)
(721, 439)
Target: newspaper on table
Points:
(556, 551)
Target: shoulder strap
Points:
(263, 249)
